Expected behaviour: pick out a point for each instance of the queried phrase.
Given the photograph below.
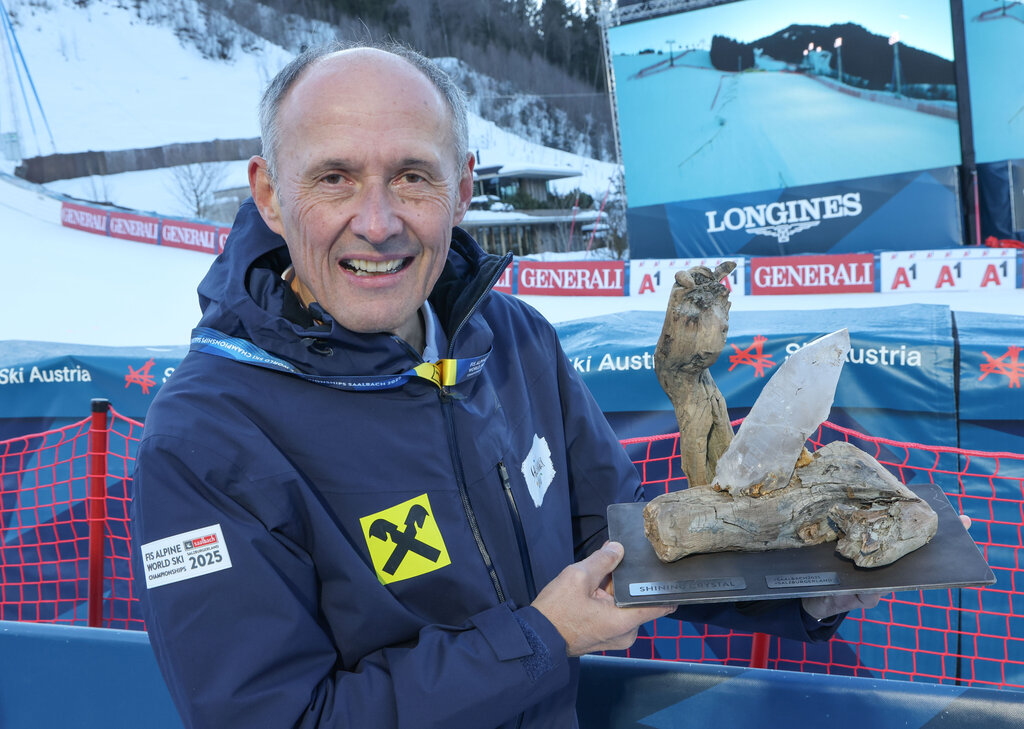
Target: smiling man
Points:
(365, 187)
(374, 492)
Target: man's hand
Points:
(829, 605)
(584, 613)
(826, 606)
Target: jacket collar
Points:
(244, 296)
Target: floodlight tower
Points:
(894, 41)
(671, 58)
(838, 45)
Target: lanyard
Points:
(443, 373)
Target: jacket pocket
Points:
(517, 526)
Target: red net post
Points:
(759, 650)
(97, 508)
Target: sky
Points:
(923, 24)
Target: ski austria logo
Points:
(143, 377)
(782, 220)
(753, 356)
(404, 541)
(1009, 364)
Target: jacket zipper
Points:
(502, 265)
(447, 396)
(467, 506)
(517, 525)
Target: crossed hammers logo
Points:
(405, 541)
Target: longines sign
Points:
(784, 219)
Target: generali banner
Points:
(139, 228)
(171, 232)
(576, 278)
(960, 268)
(83, 217)
(837, 274)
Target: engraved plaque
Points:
(806, 579)
(707, 584)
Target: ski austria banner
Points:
(897, 382)
(894, 212)
(49, 380)
(991, 382)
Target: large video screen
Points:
(994, 34)
(759, 95)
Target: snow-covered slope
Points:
(107, 79)
(712, 133)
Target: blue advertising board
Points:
(57, 381)
(895, 212)
(991, 384)
(897, 382)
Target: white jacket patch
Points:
(538, 470)
(184, 556)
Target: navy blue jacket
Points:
(322, 558)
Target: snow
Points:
(118, 83)
(107, 80)
(713, 133)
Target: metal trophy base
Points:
(950, 559)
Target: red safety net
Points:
(970, 636)
(45, 524)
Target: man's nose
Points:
(376, 217)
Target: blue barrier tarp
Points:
(897, 383)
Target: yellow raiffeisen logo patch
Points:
(404, 541)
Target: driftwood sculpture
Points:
(762, 490)
(694, 333)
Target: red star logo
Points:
(753, 355)
(1009, 364)
(140, 377)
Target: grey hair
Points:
(273, 96)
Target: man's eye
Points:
(412, 178)
(332, 179)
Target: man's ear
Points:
(465, 189)
(264, 194)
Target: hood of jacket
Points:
(243, 295)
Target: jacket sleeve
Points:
(246, 645)
(602, 474)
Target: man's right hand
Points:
(584, 612)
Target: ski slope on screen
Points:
(691, 132)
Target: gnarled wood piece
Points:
(840, 493)
(692, 337)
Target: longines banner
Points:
(890, 212)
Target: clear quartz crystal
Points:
(793, 403)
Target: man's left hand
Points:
(820, 608)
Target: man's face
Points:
(368, 188)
